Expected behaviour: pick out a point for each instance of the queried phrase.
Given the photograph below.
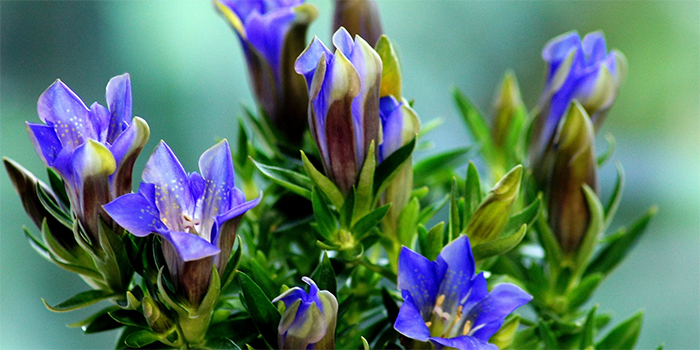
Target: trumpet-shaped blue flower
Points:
(309, 319)
(196, 215)
(580, 70)
(273, 34)
(343, 103)
(93, 149)
(449, 306)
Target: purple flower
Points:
(93, 149)
(449, 306)
(344, 103)
(196, 215)
(359, 17)
(308, 321)
(400, 124)
(577, 70)
(273, 34)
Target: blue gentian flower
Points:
(359, 17)
(580, 70)
(344, 103)
(308, 321)
(196, 215)
(400, 124)
(273, 34)
(93, 149)
(449, 306)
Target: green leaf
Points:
(408, 219)
(142, 338)
(609, 152)
(527, 216)
(430, 241)
(428, 212)
(81, 300)
(347, 210)
(370, 220)
(455, 223)
(625, 335)
(387, 170)
(429, 126)
(38, 246)
(499, 246)
(323, 183)
(264, 314)
(222, 343)
(548, 241)
(364, 192)
(616, 196)
(612, 254)
(365, 344)
(472, 191)
(241, 154)
(49, 203)
(232, 265)
(58, 187)
(589, 329)
(326, 221)
(54, 247)
(324, 276)
(583, 291)
(392, 309)
(288, 179)
(428, 166)
(476, 124)
(547, 336)
(129, 318)
(595, 228)
(239, 328)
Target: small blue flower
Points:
(273, 34)
(400, 124)
(196, 215)
(343, 103)
(449, 306)
(577, 70)
(93, 149)
(308, 321)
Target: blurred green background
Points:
(188, 79)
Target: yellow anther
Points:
(440, 300)
(467, 327)
(428, 324)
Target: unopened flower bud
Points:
(359, 17)
(493, 213)
(573, 166)
(156, 318)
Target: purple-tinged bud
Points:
(273, 34)
(343, 103)
(573, 166)
(581, 70)
(359, 17)
(309, 319)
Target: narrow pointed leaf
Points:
(589, 329)
(547, 336)
(430, 241)
(264, 314)
(499, 246)
(324, 276)
(609, 152)
(323, 183)
(325, 219)
(387, 170)
(473, 119)
(612, 254)
(370, 220)
(364, 193)
(426, 167)
(472, 193)
(80, 300)
(584, 290)
(288, 179)
(625, 335)
(142, 338)
(615, 197)
(408, 219)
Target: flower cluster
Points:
(189, 262)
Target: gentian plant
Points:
(395, 253)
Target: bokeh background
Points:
(189, 79)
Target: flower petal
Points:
(126, 148)
(502, 300)
(418, 276)
(409, 321)
(189, 246)
(119, 101)
(173, 196)
(62, 108)
(216, 167)
(463, 343)
(45, 141)
(308, 62)
(100, 118)
(136, 214)
(457, 262)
